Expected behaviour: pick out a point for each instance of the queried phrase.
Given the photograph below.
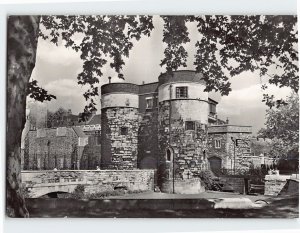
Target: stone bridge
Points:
(39, 183)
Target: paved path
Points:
(205, 195)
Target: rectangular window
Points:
(190, 125)
(149, 103)
(181, 92)
(217, 143)
(124, 130)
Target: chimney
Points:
(143, 83)
(227, 121)
(109, 79)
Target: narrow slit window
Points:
(168, 155)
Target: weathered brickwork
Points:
(275, 183)
(187, 146)
(232, 156)
(186, 186)
(119, 151)
(50, 151)
(39, 183)
(46, 149)
(219, 151)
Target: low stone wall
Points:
(237, 183)
(186, 186)
(275, 183)
(39, 183)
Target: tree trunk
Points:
(22, 37)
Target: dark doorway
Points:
(215, 163)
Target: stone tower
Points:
(119, 126)
(182, 131)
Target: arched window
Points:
(168, 155)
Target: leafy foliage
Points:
(247, 43)
(282, 126)
(105, 38)
(61, 117)
(229, 45)
(38, 93)
(175, 35)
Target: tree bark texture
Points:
(22, 37)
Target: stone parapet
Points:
(119, 88)
(181, 76)
(229, 129)
(39, 183)
(185, 186)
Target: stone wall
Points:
(232, 156)
(119, 151)
(47, 151)
(230, 129)
(187, 146)
(187, 186)
(275, 183)
(39, 183)
(220, 152)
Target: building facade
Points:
(170, 126)
(63, 148)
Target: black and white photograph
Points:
(152, 116)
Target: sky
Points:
(57, 68)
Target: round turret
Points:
(119, 126)
(183, 118)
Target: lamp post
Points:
(234, 141)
